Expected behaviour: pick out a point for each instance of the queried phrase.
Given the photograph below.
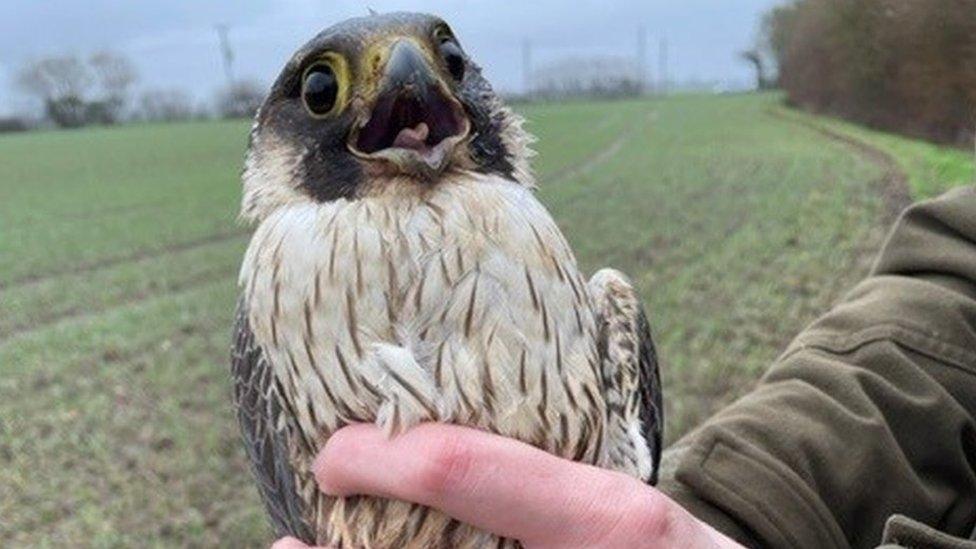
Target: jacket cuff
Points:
(729, 484)
(901, 531)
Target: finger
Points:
(494, 483)
(289, 543)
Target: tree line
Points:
(901, 65)
(100, 90)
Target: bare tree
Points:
(75, 93)
(754, 58)
(115, 75)
(241, 99)
(55, 77)
(62, 84)
(165, 106)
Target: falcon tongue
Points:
(413, 138)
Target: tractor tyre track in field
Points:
(604, 123)
(132, 257)
(598, 157)
(601, 155)
(77, 313)
(892, 185)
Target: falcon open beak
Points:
(415, 123)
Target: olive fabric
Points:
(869, 414)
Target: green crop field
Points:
(119, 249)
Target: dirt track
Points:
(893, 182)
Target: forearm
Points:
(869, 413)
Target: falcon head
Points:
(374, 104)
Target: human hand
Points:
(506, 487)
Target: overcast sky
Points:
(174, 44)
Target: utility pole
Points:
(227, 54)
(527, 67)
(663, 65)
(642, 59)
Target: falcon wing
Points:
(265, 434)
(649, 388)
(629, 360)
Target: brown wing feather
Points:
(630, 359)
(652, 404)
(259, 413)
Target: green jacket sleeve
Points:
(868, 414)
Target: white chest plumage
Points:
(462, 304)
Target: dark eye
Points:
(320, 89)
(453, 57)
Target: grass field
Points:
(930, 169)
(118, 256)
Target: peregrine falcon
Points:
(403, 271)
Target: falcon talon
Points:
(402, 270)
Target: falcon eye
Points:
(452, 55)
(320, 89)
